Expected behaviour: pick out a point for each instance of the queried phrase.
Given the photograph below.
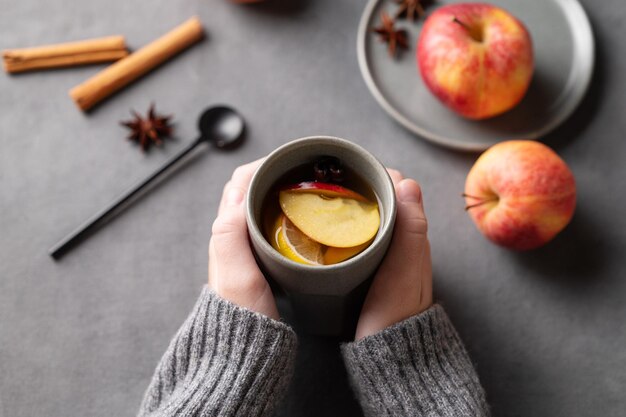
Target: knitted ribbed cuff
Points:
(225, 360)
(418, 367)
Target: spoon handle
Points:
(90, 224)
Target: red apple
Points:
(324, 188)
(476, 58)
(520, 194)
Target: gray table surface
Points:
(82, 336)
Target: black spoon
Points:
(220, 125)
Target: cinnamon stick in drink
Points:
(90, 51)
(128, 69)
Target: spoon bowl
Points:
(222, 126)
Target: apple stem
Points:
(471, 206)
(474, 32)
(471, 196)
(457, 21)
(481, 201)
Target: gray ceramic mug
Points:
(325, 299)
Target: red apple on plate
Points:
(520, 194)
(476, 58)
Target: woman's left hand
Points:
(233, 272)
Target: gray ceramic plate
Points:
(564, 55)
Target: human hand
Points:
(402, 286)
(233, 272)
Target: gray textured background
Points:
(82, 336)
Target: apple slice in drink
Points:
(335, 255)
(331, 216)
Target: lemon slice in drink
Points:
(295, 245)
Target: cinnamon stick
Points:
(89, 51)
(128, 69)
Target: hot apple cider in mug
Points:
(320, 213)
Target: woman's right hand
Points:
(402, 286)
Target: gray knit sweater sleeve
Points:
(418, 367)
(224, 360)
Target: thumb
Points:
(396, 291)
(404, 258)
(231, 261)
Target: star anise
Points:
(394, 38)
(411, 9)
(149, 130)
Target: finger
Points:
(241, 179)
(408, 191)
(212, 266)
(233, 272)
(404, 258)
(411, 207)
(396, 176)
(427, 279)
(230, 253)
(243, 174)
(223, 199)
(396, 292)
